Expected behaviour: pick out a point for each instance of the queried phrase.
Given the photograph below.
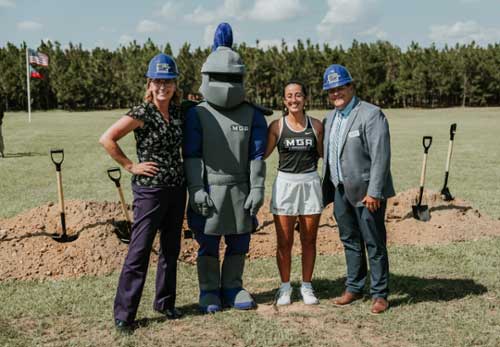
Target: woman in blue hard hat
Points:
(158, 185)
(297, 189)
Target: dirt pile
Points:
(28, 252)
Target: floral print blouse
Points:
(159, 141)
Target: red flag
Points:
(35, 74)
(38, 58)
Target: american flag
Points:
(38, 58)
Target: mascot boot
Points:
(209, 280)
(232, 284)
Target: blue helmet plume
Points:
(223, 36)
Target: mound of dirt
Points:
(28, 252)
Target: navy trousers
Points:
(361, 229)
(209, 244)
(154, 209)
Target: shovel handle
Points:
(60, 192)
(115, 177)
(114, 173)
(453, 130)
(426, 142)
(422, 174)
(122, 202)
(57, 161)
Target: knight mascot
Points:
(224, 143)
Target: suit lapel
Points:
(350, 121)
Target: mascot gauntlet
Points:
(199, 200)
(255, 197)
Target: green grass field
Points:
(441, 295)
(28, 172)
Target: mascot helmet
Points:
(222, 72)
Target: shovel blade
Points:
(446, 195)
(421, 212)
(123, 230)
(63, 238)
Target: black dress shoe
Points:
(123, 327)
(171, 313)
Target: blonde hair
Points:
(176, 98)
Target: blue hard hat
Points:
(162, 66)
(336, 76)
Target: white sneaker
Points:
(284, 296)
(308, 296)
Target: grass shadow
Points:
(187, 310)
(23, 154)
(411, 289)
(323, 288)
(405, 290)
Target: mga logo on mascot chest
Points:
(241, 128)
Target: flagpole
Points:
(28, 85)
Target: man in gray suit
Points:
(357, 179)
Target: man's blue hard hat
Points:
(162, 66)
(336, 76)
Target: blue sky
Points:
(111, 23)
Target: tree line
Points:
(80, 79)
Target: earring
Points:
(285, 111)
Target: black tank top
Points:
(298, 152)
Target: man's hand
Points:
(371, 203)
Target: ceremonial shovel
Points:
(58, 162)
(445, 192)
(123, 228)
(421, 212)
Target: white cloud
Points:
(7, 3)
(463, 32)
(345, 19)
(100, 43)
(170, 10)
(29, 25)
(375, 32)
(230, 9)
(262, 10)
(275, 10)
(208, 35)
(125, 39)
(148, 26)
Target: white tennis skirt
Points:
(296, 194)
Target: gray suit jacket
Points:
(365, 155)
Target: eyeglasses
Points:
(294, 96)
(163, 82)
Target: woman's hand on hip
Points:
(147, 168)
